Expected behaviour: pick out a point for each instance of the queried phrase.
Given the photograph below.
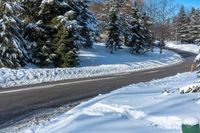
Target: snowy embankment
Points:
(154, 107)
(185, 47)
(95, 62)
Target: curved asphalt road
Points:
(19, 101)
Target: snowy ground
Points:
(154, 107)
(96, 62)
(185, 47)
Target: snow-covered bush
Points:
(193, 88)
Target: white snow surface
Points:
(137, 108)
(185, 47)
(189, 88)
(95, 62)
(191, 121)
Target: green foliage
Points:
(44, 32)
(12, 45)
(50, 10)
(54, 41)
(182, 26)
(140, 36)
(9, 57)
(65, 48)
(113, 42)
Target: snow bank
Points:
(195, 87)
(198, 101)
(185, 47)
(197, 59)
(96, 62)
(191, 121)
(138, 108)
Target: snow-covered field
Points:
(185, 47)
(153, 107)
(95, 62)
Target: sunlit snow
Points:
(95, 62)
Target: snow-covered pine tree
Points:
(125, 17)
(182, 26)
(37, 16)
(29, 33)
(13, 47)
(65, 40)
(113, 42)
(194, 29)
(65, 50)
(138, 42)
(53, 25)
(86, 20)
(197, 41)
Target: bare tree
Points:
(161, 13)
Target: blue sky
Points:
(189, 3)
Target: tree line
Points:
(127, 22)
(44, 32)
(50, 33)
(187, 26)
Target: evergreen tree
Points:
(52, 20)
(113, 41)
(182, 26)
(86, 20)
(39, 30)
(139, 33)
(44, 32)
(125, 17)
(65, 40)
(65, 49)
(13, 47)
(194, 29)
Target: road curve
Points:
(19, 101)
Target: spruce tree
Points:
(125, 17)
(44, 32)
(182, 26)
(146, 32)
(13, 47)
(113, 42)
(65, 49)
(65, 40)
(38, 29)
(54, 42)
(86, 20)
(194, 29)
(138, 42)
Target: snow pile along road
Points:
(185, 47)
(96, 62)
(138, 108)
